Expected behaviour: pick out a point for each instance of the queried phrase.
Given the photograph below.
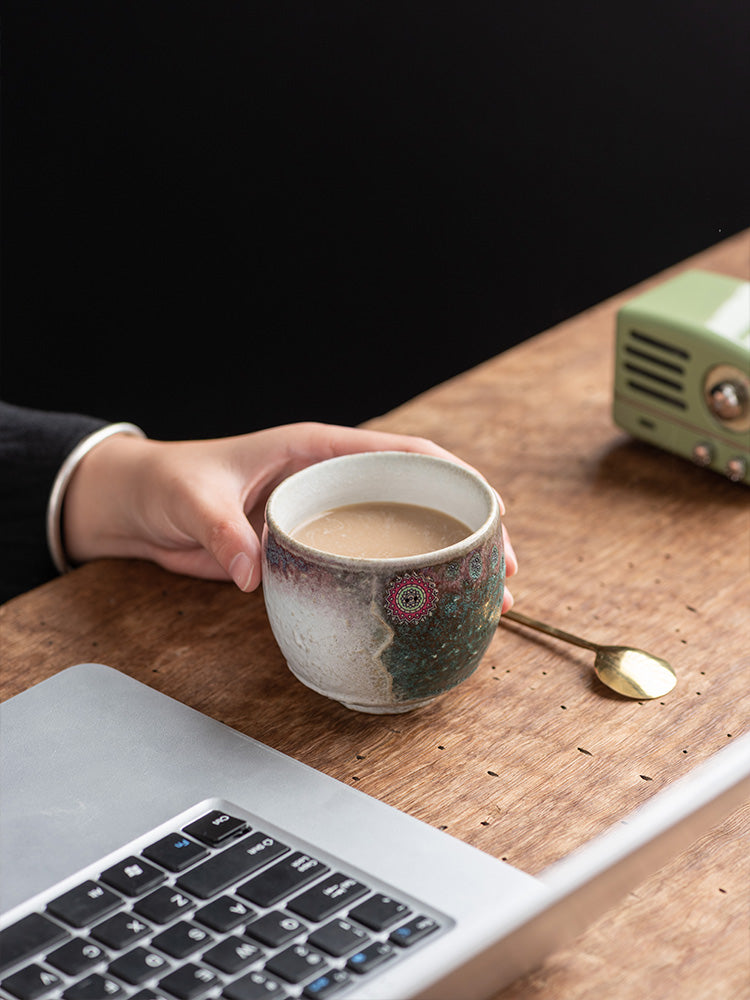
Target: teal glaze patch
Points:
(452, 605)
(437, 645)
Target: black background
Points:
(222, 216)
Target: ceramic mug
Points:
(389, 634)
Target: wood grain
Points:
(532, 756)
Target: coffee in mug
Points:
(381, 530)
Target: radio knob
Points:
(736, 468)
(728, 400)
(702, 453)
(726, 392)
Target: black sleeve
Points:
(33, 446)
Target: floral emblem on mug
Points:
(411, 598)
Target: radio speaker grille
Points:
(655, 368)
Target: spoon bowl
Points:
(633, 673)
(628, 671)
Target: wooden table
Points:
(531, 756)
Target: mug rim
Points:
(446, 554)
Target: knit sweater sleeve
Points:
(33, 446)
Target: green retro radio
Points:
(682, 370)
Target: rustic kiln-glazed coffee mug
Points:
(383, 631)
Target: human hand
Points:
(196, 507)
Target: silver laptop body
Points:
(91, 760)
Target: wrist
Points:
(85, 493)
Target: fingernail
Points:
(241, 570)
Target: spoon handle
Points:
(557, 633)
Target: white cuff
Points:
(59, 487)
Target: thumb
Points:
(235, 547)
(245, 571)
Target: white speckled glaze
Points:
(383, 635)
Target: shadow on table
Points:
(642, 467)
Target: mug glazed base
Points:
(387, 709)
(396, 708)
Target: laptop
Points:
(150, 852)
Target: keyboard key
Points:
(224, 914)
(27, 937)
(189, 981)
(338, 937)
(254, 986)
(133, 876)
(137, 966)
(94, 987)
(296, 963)
(324, 899)
(84, 904)
(413, 931)
(31, 982)
(275, 928)
(175, 852)
(279, 881)
(76, 956)
(120, 931)
(216, 828)
(162, 905)
(379, 912)
(234, 863)
(371, 957)
(327, 985)
(182, 939)
(149, 993)
(233, 954)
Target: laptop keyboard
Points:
(217, 907)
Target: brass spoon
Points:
(626, 670)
